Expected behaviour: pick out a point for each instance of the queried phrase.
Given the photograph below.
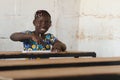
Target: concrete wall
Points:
(84, 25)
(99, 28)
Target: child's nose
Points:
(43, 23)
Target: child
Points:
(38, 40)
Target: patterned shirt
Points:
(30, 45)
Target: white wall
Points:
(84, 25)
(99, 28)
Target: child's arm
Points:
(58, 46)
(18, 36)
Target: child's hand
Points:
(57, 47)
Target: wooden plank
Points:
(111, 72)
(13, 54)
(57, 63)
(85, 73)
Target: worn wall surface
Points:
(84, 25)
(99, 28)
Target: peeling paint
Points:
(4, 38)
(90, 37)
(109, 16)
(77, 34)
(82, 36)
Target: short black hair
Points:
(42, 13)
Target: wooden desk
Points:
(70, 73)
(19, 54)
(55, 69)
(57, 63)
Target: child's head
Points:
(42, 21)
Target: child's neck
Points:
(37, 34)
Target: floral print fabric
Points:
(30, 45)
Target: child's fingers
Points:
(56, 49)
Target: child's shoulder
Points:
(49, 35)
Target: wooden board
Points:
(57, 63)
(71, 73)
(19, 54)
(110, 70)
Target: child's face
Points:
(42, 24)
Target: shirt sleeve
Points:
(51, 38)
